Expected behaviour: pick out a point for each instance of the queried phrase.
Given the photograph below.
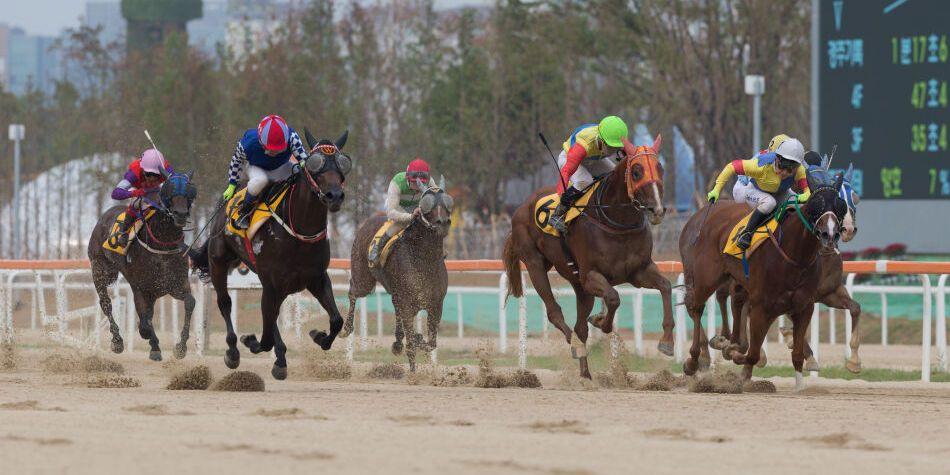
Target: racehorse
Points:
(414, 272)
(289, 254)
(782, 277)
(609, 244)
(831, 289)
(155, 267)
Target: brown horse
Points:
(610, 243)
(831, 289)
(153, 265)
(414, 273)
(782, 278)
(288, 258)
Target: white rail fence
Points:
(37, 282)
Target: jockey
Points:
(268, 150)
(402, 202)
(592, 151)
(763, 182)
(145, 175)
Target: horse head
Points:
(643, 176)
(326, 169)
(826, 210)
(436, 207)
(177, 194)
(851, 197)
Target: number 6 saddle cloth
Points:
(112, 242)
(546, 205)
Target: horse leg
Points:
(405, 314)
(596, 284)
(271, 301)
(585, 303)
(695, 301)
(144, 307)
(219, 279)
(799, 325)
(651, 278)
(184, 294)
(279, 371)
(721, 340)
(399, 333)
(739, 313)
(322, 289)
(758, 325)
(350, 315)
(433, 319)
(538, 273)
(841, 299)
(102, 279)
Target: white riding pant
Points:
(754, 197)
(588, 170)
(258, 178)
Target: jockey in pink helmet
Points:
(144, 176)
(267, 150)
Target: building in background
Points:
(31, 63)
(4, 31)
(150, 22)
(107, 16)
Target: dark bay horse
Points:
(610, 242)
(414, 273)
(154, 265)
(783, 275)
(289, 256)
(831, 289)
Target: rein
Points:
(289, 225)
(605, 222)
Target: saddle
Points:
(388, 247)
(758, 237)
(262, 212)
(112, 242)
(545, 206)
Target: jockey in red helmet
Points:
(267, 150)
(144, 176)
(402, 202)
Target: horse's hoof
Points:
(250, 341)
(690, 366)
(181, 349)
(117, 345)
(321, 338)
(811, 364)
(763, 360)
(718, 342)
(665, 348)
(279, 373)
(853, 366)
(232, 358)
(730, 351)
(155, 355)
(397, 348)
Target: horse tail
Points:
(199, 260)
(512, 268)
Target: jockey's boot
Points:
(372, 257)
(125, 225)
(244, 214)
(745, 237)
(567, 200)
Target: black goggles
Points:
(786, 164)
(424, 176)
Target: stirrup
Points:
(244, 220)
(741, 242)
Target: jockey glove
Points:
(228, 192)
(713, 195)
(138, 193)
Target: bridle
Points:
(651, 176)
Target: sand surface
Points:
(54, 423)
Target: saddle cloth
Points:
(388, 247)
(261, 213)
(112, 242)
(758, 237)
(545, 206)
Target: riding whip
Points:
(210, 219)
(556, 166)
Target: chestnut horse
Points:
(610, 243)
(783, 274)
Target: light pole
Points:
(17, 132)
(755, 87)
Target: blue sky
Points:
(49, 17)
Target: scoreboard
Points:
(884, 69)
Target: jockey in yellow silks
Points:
(764, 181)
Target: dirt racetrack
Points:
(54, 423)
